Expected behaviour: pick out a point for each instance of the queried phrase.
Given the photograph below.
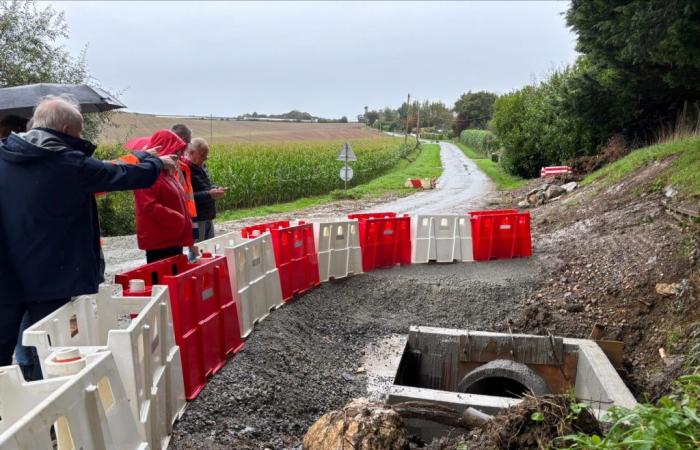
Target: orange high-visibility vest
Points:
(185, 178)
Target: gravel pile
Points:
(302, 360)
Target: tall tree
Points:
(474, 110)
(30, 52)
(646, 51)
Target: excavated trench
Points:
(325, 348)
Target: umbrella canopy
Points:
(21, 100)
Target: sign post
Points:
(346, 154)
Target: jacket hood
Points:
(40, 143)
(169, 142)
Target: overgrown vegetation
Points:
(637, 73)
(682, 173)
(482, 141)
(673, 423)
(492, 169)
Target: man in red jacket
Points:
(163, 220)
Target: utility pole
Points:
(418, 121)
(408, 108)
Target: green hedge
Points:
(433, 136)
(482, 141)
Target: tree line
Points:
(637, 75)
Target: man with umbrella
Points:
(49, 229)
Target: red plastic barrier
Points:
(384, 238)
(501, 234)
(205, 318)
(295, 255)
(553, 171)
(256, 230)
(372, 215)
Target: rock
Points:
(554, 191)
(524, 204)
(570, 186)
(667, 289)
(347, 376)
(535, 197)
(360, 425)
(670, 192)
(574, 307)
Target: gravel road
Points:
(302, 360)
(461, 187)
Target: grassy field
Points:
(499, 176)
(126, 126)
(683, 173)
(426, 164)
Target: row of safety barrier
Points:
(121, 367)
(113, 377)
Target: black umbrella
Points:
(21, 100)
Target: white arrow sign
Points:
(346, 173)
(346, 154)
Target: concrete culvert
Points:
(503, 378)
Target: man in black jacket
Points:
(205, 193)
(49, 229)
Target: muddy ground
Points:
(609, 247)
(302, 361)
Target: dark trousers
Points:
(162, 253)
(202, 230)
(11, 318)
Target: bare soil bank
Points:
(609, 248)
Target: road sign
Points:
(346, 154)
(346, 173)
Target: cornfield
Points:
(260, 174)
(266, 173)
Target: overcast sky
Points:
(327, 58)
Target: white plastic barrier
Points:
(338, 247)
(139, 333)
(88, 410)
(441, 238)
(253, 274)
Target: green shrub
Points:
(673, 423)
(482, 141)
(433, 136)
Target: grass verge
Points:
(426, 165)
(502, 179)
(682, 173)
